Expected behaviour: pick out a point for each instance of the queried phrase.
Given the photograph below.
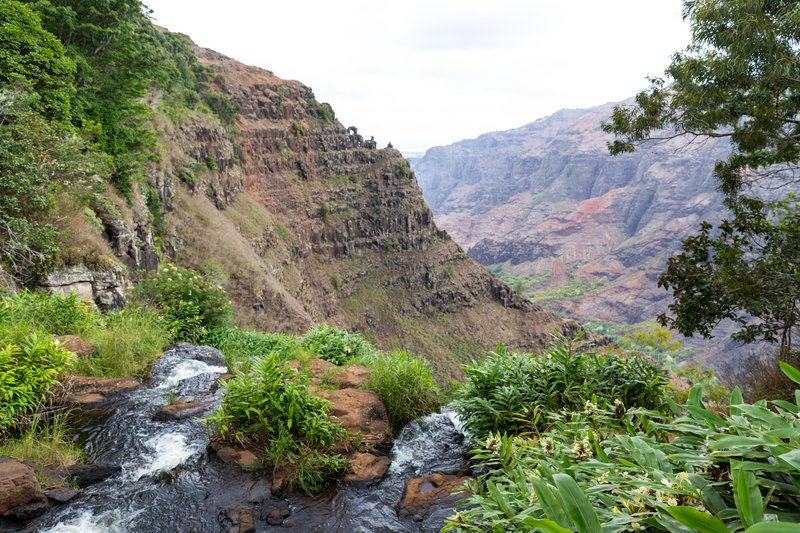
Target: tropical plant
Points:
(269, 405)
(507, 391)
(335, 345)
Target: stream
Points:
(169, 482)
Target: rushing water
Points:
(170, 483)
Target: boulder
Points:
(76, 345)
(62, 495)
(85, 475)
(351, 377)
(366, 469)
(320, 368)
(360, 412)
(234, 455)
(424, 496)
(21, 495)
(179, 411)
(275, 512)
(84, 390)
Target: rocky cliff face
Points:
(584, 233)
(305, 221)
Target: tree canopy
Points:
(738, 79)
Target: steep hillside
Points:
(581, 232)
(304, 221)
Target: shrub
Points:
(27, 371)
(506, 391)
(404, 383)
(44, 441)
(191, 305)
(335, 345)
(270, 405)
(641, 469)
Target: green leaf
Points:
(747, 497)
(548, 526)
(773, 527)
(790, 371)
(580, 510)
(697, 520)
(792, 458)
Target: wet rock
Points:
(84, 390)
(351, 377)
(179, 411)
(21, 495)
(366, 469)
(76, 345)
(426, 496)
(85, 475)
(246, 522)
(275, 512)
(360, 411)
(62, 495)
(260, 491)
(206, 354)
(234, 455)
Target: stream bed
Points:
(169, 482)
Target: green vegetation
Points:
(270, 405)
(508, 392)
(297, 129)
(336, 346)
(325, 212)
(241, 346)
(325, 113)
(405, 384)
(45, 441)
(191, 305)
(738, 79)
(647, 338)
(211, 163)
(404, 166)
(613, 468)
(335, 283)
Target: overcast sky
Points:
(423, 73)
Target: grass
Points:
(45, 442)
(404, 382)
(129, 342)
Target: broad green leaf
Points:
(548, 526)
(697, 520)
(790, 371)
(577, 504)
(695, 398)
(550, 505)
(736, 396)
(792, 458)
(773, 527)
(747, 497)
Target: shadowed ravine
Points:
(169, 482)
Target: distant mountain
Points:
(546, 207)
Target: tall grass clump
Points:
(240, 347)
(28, 311)
(335, 345)
(269, 406)
(191, 305)
(405, 384)
(507, 391)
(44, 441)
(128, 342)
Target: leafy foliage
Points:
(508, 391)
(404, 382)
(335, 345)
(269, 404)
(191, 304)
(27, 371)
(637, 469)
(739, 79)
(240, 347)
(46, 313)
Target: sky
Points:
(424, 73)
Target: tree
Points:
(738, 79)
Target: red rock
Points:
(21, 495)
(76, 345)
(320, 368)
(351, 377)
(366, 468)
(359, 411)
(179, 411)
(423, 493)
(83, 390)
